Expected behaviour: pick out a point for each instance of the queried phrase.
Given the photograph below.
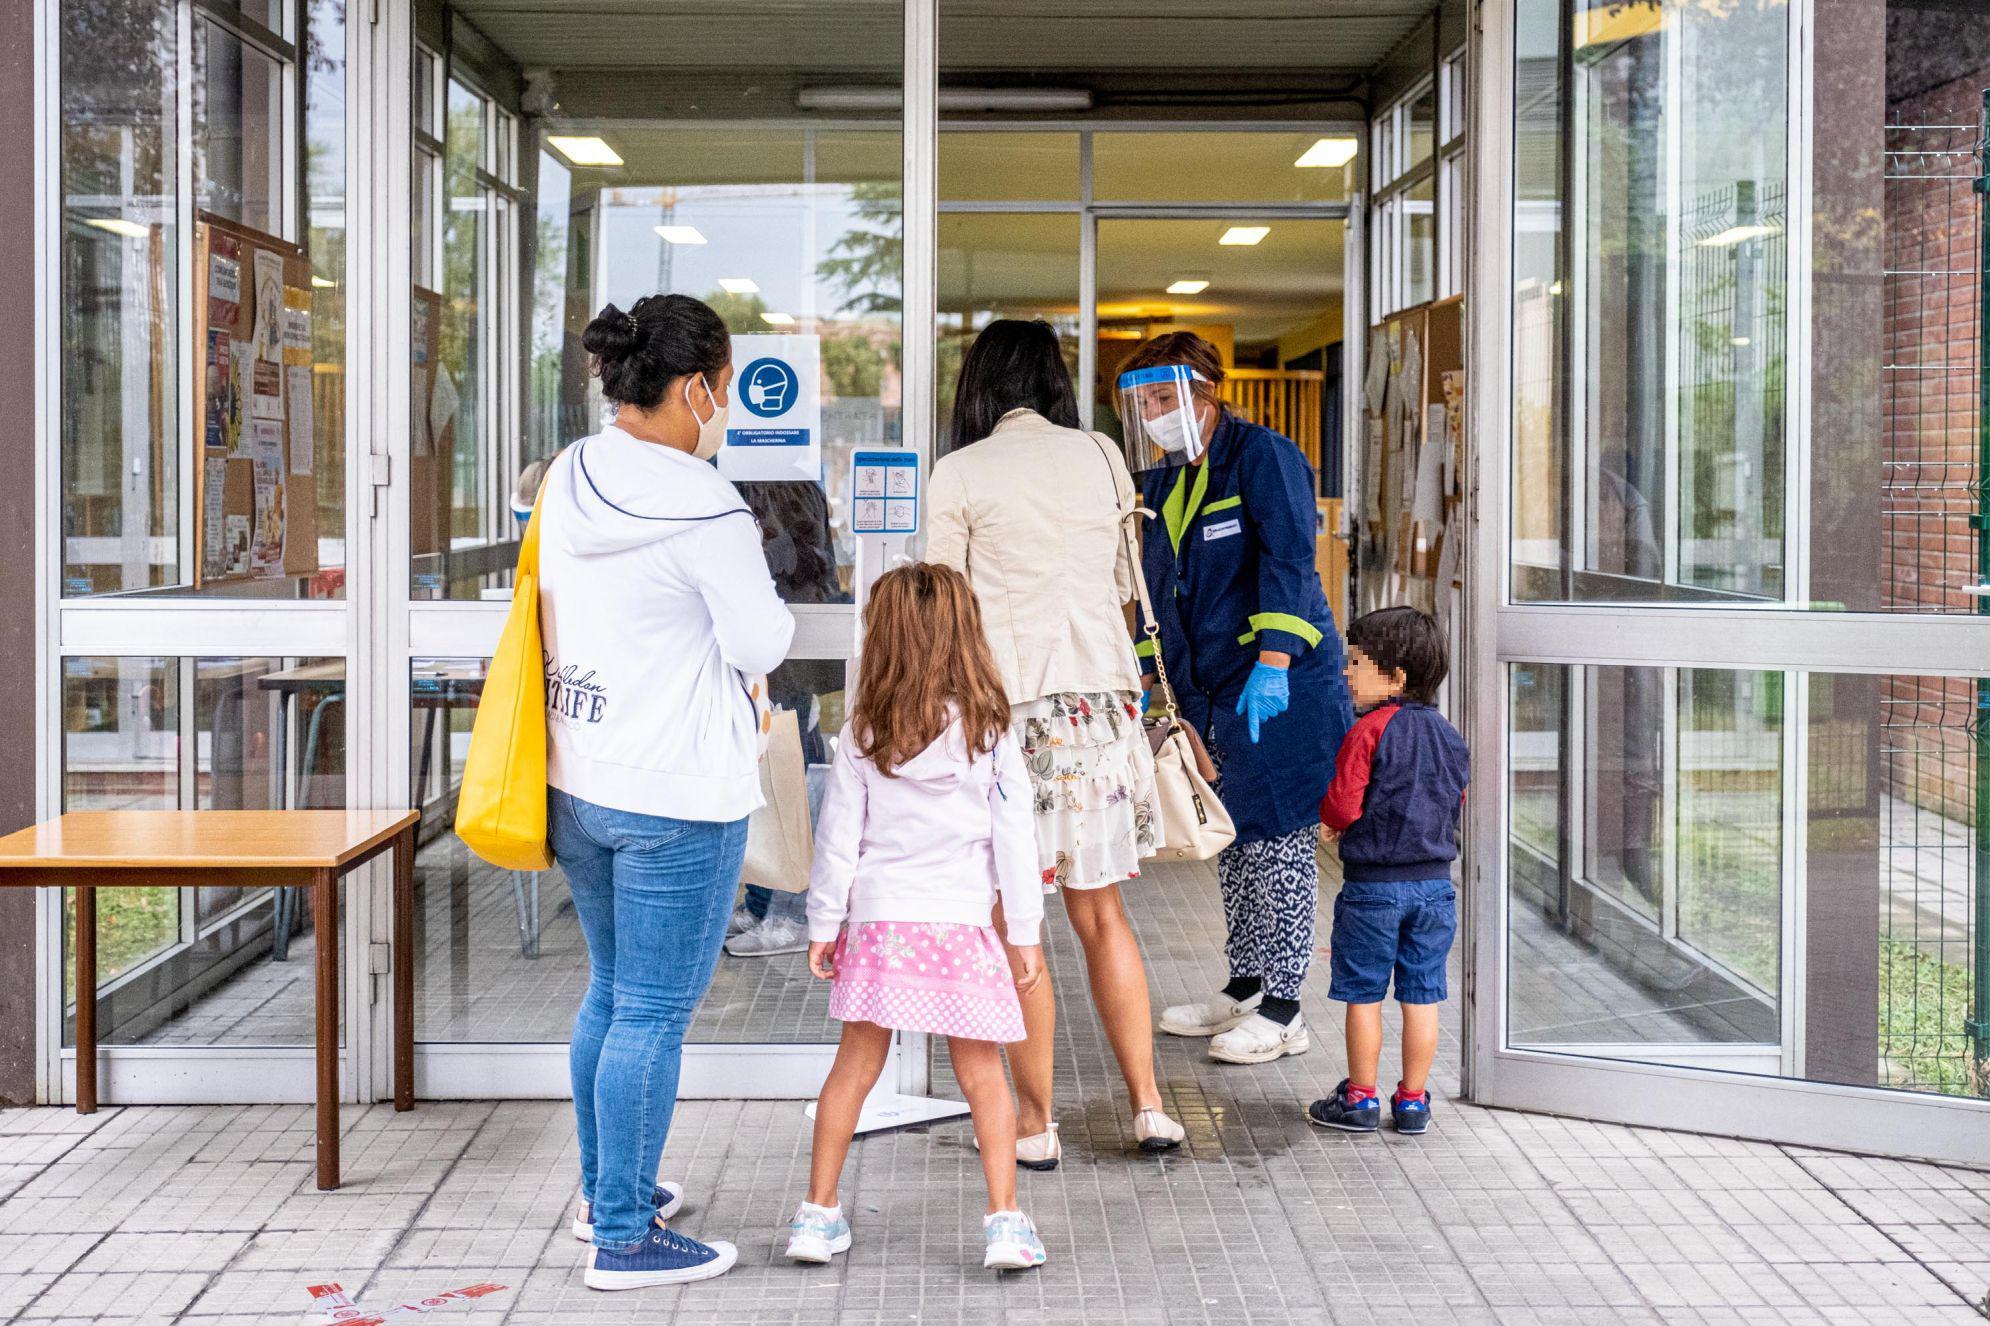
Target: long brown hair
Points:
(925, 657)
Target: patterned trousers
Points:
(1270, 891)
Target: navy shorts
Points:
(1404, 929)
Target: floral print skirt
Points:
(1092, 774)
(944, 980)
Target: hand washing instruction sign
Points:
(775, 429)
(884, 492)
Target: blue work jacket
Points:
(1229, 563)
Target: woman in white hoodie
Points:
(657, 609)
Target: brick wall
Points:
(1929, 413)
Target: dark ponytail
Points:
(660, 339)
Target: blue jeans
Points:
(653, 895)
(1402, 929)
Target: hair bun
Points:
(613, 335)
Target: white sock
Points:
(833, 1212)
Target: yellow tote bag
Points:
(501, 809)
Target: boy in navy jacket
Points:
(1394, 806)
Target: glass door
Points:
(538, 199)
(1727, 633)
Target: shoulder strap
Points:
(1130, 530)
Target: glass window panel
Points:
(781, 230)
(1668, 880)
(130, 451)
(1003, 265)
(237, 130)
(500, 956)
(1422, 124)
(1008, 167)
(1420, 265)
(1215, 167)
(1264, 306)
(1671, 365)
(204, 965)
(122, 254)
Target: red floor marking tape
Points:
(336, 1307)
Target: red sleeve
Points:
(1341, 806)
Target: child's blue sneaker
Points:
(1337, 1111)
(1013, 1244)
(668, 1199)
(1410, 1116)
(664, 1258)
(817, 1233)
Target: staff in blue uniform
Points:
(1255, 660)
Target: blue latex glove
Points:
(1267, 694)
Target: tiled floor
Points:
(209, 1214)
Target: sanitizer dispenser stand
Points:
(885, 501)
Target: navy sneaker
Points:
(1335, 1111)
(664, 1258)
(1410, 1116)
(668, 1200)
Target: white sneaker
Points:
(1212, 1018)
(772, 936)
(817, 1233)
(1013, 1244)
(1259, 1040)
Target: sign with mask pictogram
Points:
(776, 417)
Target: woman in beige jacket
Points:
(1028, 507)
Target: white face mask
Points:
(712, 431)
(1170, 431)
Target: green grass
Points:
(1923, 1003)
(132, 924)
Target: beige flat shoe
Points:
(1040, 1152)
(1157, 1132)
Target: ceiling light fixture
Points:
(739, 285)
(117, 225)
(1244, 235)
(680, 234)
(585, 149)
(1188, 287)
(1329, 152)
(953, 99)
(778, 319)
(320, 283)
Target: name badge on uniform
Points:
(1222, 530)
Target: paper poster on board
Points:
(775, 429)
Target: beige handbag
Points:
(1193, 823)
(780, 846)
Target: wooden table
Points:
(105, 849)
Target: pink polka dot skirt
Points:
(944, 980)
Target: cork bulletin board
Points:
(256, 509)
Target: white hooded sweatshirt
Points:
(655, 605)
(935, 843)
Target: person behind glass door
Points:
(656, 608)
(1029, 508)
(801, 556)
(1250, 645)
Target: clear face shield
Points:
(1158, 409)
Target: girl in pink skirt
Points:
(926, 819)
